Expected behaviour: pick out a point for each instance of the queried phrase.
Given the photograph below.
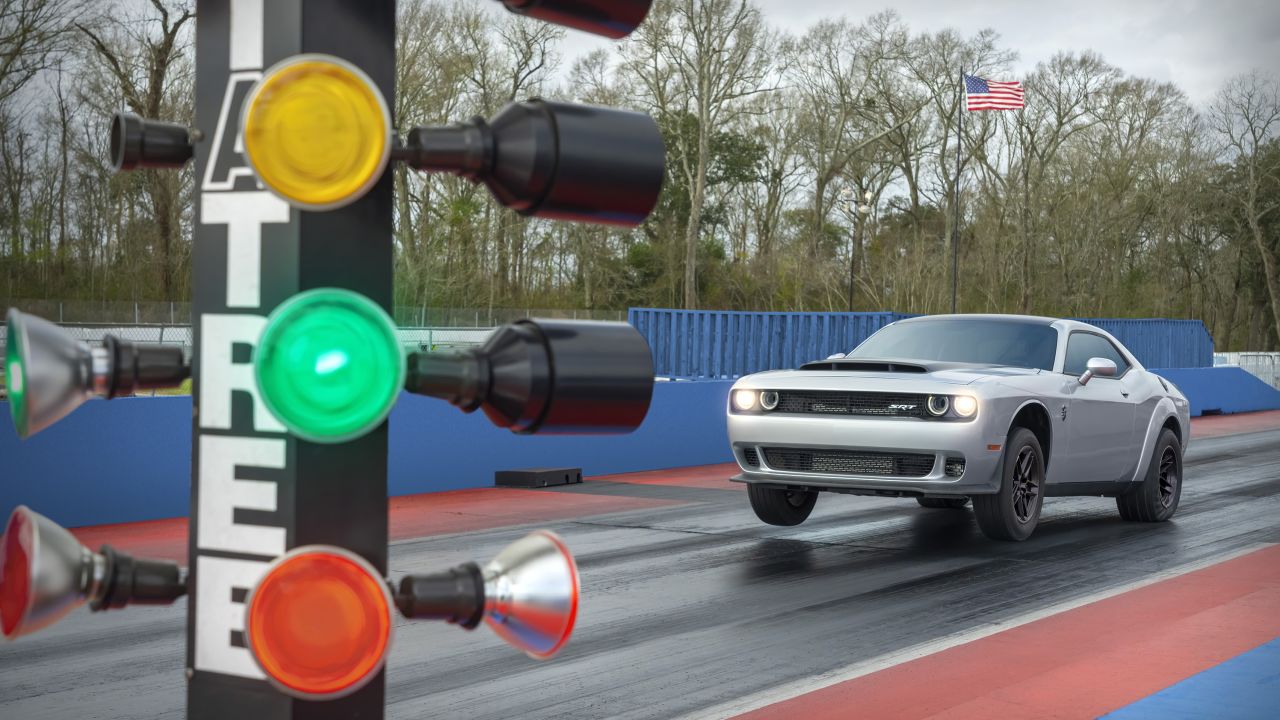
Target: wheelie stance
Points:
(1000, 410)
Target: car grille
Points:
(811, 402)
(849, 462)
(752, 458)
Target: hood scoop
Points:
(884, 366)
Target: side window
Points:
(1081, 346)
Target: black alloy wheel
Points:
(1170, 477)
(1026, 486)
(1013, 512)
(1156, 498)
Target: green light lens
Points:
(13, 375)
(329, 365)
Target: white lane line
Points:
(797, 688)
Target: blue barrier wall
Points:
(729, 344)
(130, 459)
(699, 344)
(1222, 390)
(1162, 343)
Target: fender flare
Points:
(1164, 410)
(1048, 455)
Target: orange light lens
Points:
(319, 622)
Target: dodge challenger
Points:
(998, 410)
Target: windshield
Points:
(984, 342)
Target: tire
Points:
(781, 507)
(943, 503)
(1014, 512)
(1155, 499)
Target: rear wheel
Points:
(1014, 512)
(1156, 497)
(778, 506)
(943, 503)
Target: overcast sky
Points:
(1196, 44)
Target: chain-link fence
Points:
(91, 312)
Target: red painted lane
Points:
(1216, 425)
(1078, 664)
(715, 477)
(163, 539)
(411, 516)
(487, 508)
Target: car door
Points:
(1099, 416)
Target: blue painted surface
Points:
(107, 462)
(729, 344)
(699, 344)
(130, 459)
(1246, 687)
(1162, 343)
(1223, 390)
(436, 447)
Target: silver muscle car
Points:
(1002, 410)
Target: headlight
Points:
(769, 399)
(938, 405)
(965, 405)
(744, 399)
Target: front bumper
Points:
(971, 441)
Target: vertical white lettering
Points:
(244, 214)
(246, 34)
(222, 492)
(219, 616)
(221, 375)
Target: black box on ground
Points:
(537, 477)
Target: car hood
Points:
(874, 371)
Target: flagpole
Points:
(955, 228)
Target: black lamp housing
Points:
(546, 376)
(610, 18)
(553, 160)
(138, 143)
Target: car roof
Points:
(1028, 319)
(1060, 323)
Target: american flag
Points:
(983, 94)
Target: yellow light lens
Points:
(744, 399)
(317, 131)
(965, 405)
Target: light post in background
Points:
(858, 214)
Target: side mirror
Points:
(1098, 367)
(836, 356)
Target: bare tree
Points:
(1246, 116)
(142, 63)
(700, 60)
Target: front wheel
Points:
(1014, 512)
(1156, 497)
(777, 506)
